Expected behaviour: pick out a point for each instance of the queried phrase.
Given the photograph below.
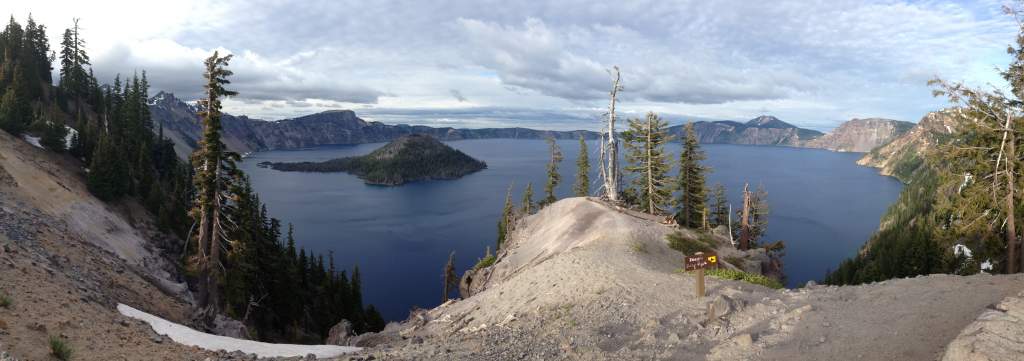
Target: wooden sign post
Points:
(698, 262)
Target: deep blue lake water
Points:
(822, 204)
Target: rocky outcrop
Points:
(340, 334)
(861, 135)
(998, 334)
(763, 130)
(904, 156)
(243, 134)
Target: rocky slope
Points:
(861, 135)
(583, 281)
(67, 259)
(902, 157)
(409, 158)
(763, 130)
(244, 135)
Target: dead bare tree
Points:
(450, 277)
(745, 219)
(610, 145)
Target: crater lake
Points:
(822, 204)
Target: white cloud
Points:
(809, 63)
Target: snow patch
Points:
(31, 140)
(987, 265)
(187, 336)
(71, 135)
(962, 250)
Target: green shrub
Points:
(729, 274)
(485, 262)
(59, 349)
(5, 301)
(679, 242)
(735, 261)
(639, 247)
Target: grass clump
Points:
(735, 261)
(59, 349)
(681, 243)
(485, 262)
(639, 247)
(729, 274)
(5, 301)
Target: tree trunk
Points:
(650, 170)
(1011, 228)
(745, 220)
(611, 182)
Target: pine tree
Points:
(526, 207)
(553, 177)
(54, 136)
(690, 182)
(645, 154)
(758, 215)
(506, 221)
(719, 206)
(582, 186)
(106, 178)
(357, 301)
(15, 106)
(36, 53)
(74, 80)
(215, 173)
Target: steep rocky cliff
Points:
(244, 135)
(861, 135)
(763, 130)
(902, 157)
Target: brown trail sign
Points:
(698, 262)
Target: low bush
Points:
(5, 301)
(639, 247)
(735, 261)
(729, 274)
(681, 243)
(485, 262)
(59, 349)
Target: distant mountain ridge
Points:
(763, 130)
(334, 127)
(861, 135)
(903, 157)
(340, 127)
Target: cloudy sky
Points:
(503, 63)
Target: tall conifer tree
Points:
(505, 223)
(526, 207)
(582, 186)
(215, 173)
(645, 154)
(553, 177)
(690, 182)
(719, 206)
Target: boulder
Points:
(225, 326)
(341, 334)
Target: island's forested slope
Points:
(406, 159)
